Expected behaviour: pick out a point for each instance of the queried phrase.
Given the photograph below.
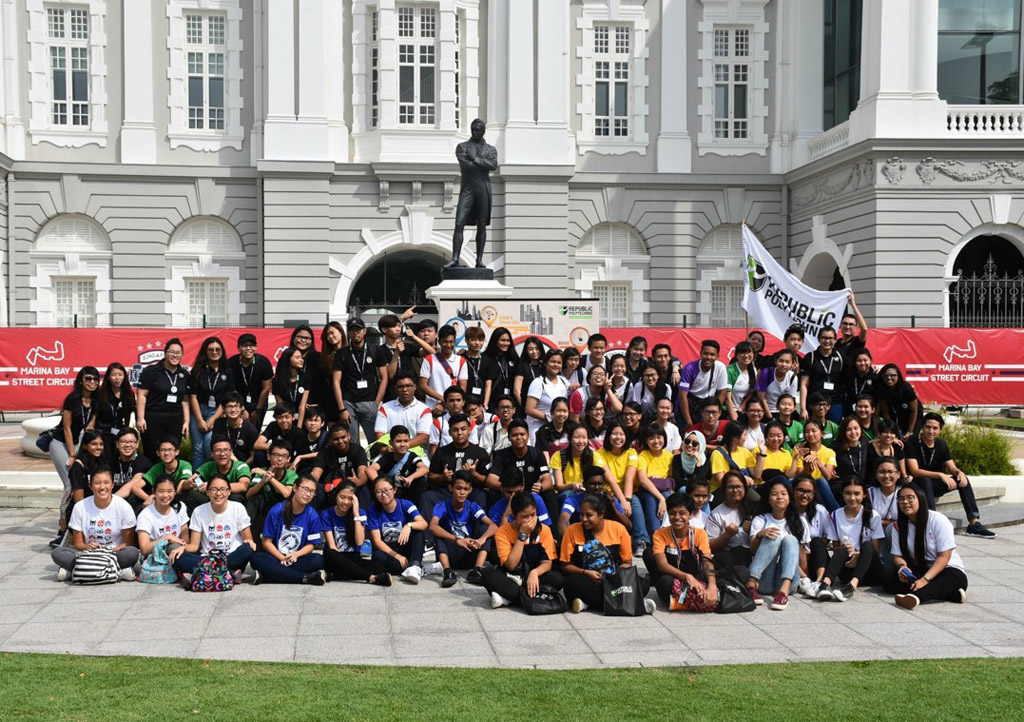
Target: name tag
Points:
(828, 386)
(507, 390)
(212, 403)
(172, 398)
(671, 550)
(362, 384)
(476, 391)
(114, 430)
(248, 399)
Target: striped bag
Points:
(95, 566)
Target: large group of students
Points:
(818, 474)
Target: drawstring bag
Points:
(156, 568)
(547, 600)
(95, 566)
(212, 574)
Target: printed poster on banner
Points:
(557, 323)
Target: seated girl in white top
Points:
(817, 521)
(165, 520)
(856, 535)
(777, 536)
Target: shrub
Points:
(980, 449)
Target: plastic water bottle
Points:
(846, 541)
(366, 549)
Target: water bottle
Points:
(847, 543)
(366, 549)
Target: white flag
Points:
(775, 300)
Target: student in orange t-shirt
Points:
(583, 582)
(681, 552)
(526, 549)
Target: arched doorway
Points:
(395, 281)
(989, 288)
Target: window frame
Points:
(607, 305)
(830, 59)
(58, 320)
(203, 320)
(628, 262)
(1018, 33)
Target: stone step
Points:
(992, 516)
(984, 495)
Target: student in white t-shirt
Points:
(220, 525)
(816, 519)
(777, 536)
(544, 389)
(165, 520)
(928, 567)
(100, 521)
(443, 369)
(856, 535)
(883, 500)
(728, 526)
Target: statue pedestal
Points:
(468, 283)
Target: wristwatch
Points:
(523, 536)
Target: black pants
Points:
(934, 488)
(412, 550)
(733, 557)
(867, 571)
(817, 558)
(414, 493)
(158, 427)
(349, 566)
(496, 579)
(941, 589)
(577, 586)
(459, 557)
(662, 582)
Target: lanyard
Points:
(87, 414)
(860, 459)
(234, 438)
(928, 462)
(173, 379)
(293, 390)
(857, 389)
(831, 361)
(252, 369)
(211, 380)
(475, 367)
(362, 366)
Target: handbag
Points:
(623, 595)
(663, 483)
(547, 600)
(690, 598)
(156, 568)
(733, 595)
(95, 566)
(44, 439)
(212, 574)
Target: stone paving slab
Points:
(425, 625)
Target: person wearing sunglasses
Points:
(76, 416)
(290, 536)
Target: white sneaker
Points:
(433, 568)
(812, 590)
(412, 575)
(498, 601)
(126, 575)
(650, 606)
(63, 575)
(578, 605)
(803, 586)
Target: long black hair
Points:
(746, 346)
(866, 509)
(283, 370)
(105, 393)
(164, 477)
(920, 527)
(203, 358)
(748, 507)
(812, 508)
(793, 521)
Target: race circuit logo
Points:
(148, 354)
(38, 353)
(756, 275)
(967, 352)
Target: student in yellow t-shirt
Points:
(620, 461)
(732, 455)
(567, 465)
(654, 473)
(778, 460)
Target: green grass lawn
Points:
(66, 687)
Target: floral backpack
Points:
(212, 574)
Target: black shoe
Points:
(453, 264)
(978, 529)
(317, 579)
(475, 576)
(843, 592)
(480, 263)
(449, 579)
(57, 540)
(257, 578)
(382, 580)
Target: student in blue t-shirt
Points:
(462, 532)
(512, 483)
(290, 534)
(344, 536)
(396, 529)
(594, 482)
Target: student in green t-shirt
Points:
(169, 463)
(792, 426)
(272, 485)
(236, 472)
(819, 405)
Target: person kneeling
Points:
(462, 532)
(526, 551)
(679, 559)
(290, 535)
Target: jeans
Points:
(237, 559)
(412, 550)
(824, 492)
(275, 572)
(59, 456)
(650, 504)
(363, 415)
(775, 561)
(640, 533)
(65, 557)
(200, 439)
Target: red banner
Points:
(38, 365)
(946, 366)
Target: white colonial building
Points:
(175, 162)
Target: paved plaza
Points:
(426, 625)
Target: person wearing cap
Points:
(252, 374)
(361, 371)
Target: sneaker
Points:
(186, 580)
(812, 590)
(780, 601)
(257, 578)
(126, 575)
(433, 568)
(641, 547)
(237, 576)
(498, 601)
(412, 574)
(449, 579)
(650, 606)
(578, 605)
(63, 575)
(963, 596)
(907, 601)
(803, 586)
(978, 529)
(57, 540)
(317, 579)
(382, 580)
(475, 576)
(843, 593)
(757, 597)
(824, 591)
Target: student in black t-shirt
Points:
(502, 350)
(92, 456)
(291, 383)
(340, 461)
(529, 463)
(241, 433)
(407, 469)
(854, 331)
(898, 402)
(125, 466)
(282, 427)
(361, 372)
(822, 371)
(401, 346)
(115, 404)
(209, 382)
(252, 374)
(933, 469)
(309, 444)
(483, 371)
(460, 455)
(163, 398)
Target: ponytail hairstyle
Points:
(866, 508)
(920, 526)
(793, 521)
(747, 347)
(597, 502)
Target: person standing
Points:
(209, 382)
(251, 375)
(163, 409)
(822, 371)
(361, 369)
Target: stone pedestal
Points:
(468, 283)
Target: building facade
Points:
(181, 162)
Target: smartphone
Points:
(908, 575)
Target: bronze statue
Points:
(476, 160)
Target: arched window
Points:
(71, 273)
(206, 272)
(612, 265)
(720, 278)
(988, 290)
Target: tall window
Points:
(374, 70)
(615, 303)
(67, 29)
(979, 51)
(204, 41)
(732, 79)
(842, 61)
(207, 300)
(613, 265)
(720, 278)
(417, 65)
(726, 305)
(74, 301)
(612, 58)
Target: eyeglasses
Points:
(804, 491)
(506, 407)
(890, 375)
(279, 456)
(384, 492)
(172, 353)
(906, 499)
(305, 490)
(217, 490)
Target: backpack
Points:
(95, 566)
(212, 574)
(596, 556)
(156, 568)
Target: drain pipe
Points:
(784, 223)
(9, 291)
